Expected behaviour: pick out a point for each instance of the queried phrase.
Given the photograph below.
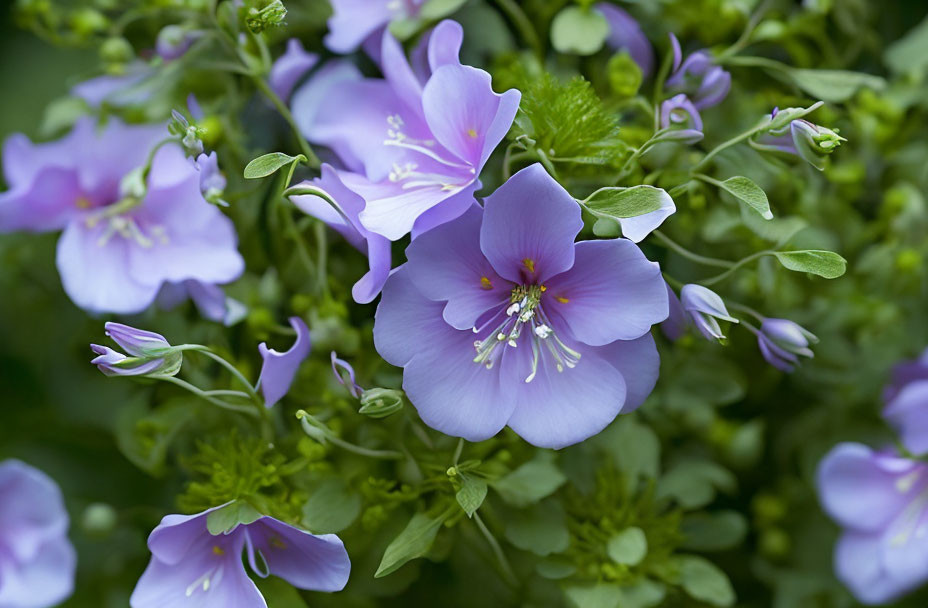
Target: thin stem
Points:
(746, 309)
(322, 253)
(240, 409)
(497, 550)
(745, 37)
(313, 427)
(721, 277)
(523, 24)
(252, 393)
(311, 159)
(727, 144)
(227, 393)
(294, 232)
(457, 451)
(695, 257)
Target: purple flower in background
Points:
(679, 114)
(906, 409)
(353, 22)
(881, 501)
(131, 88)
(123, 239)
(703, 307)
(192, 568)
(782, 342)
(279, 369)
(210, 300)
(626, 34)
(149, 354)
(800, 138)
(175, 40)
(705, 83)
(499, 318)
(346, 221)
(37, 561)
(290, 67)
(414, 149)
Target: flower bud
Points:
(174, 40)
(381, 402)
(705, 83)
(149, 353)
(782, 341)
(116, 50)
(680, 116)
(800, 138)
(271, 15)
(704, 307)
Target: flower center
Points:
(524, 310)
(211, 577)
(409, 173)
(119, 222)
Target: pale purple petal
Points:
(446, 265)
(136, 342)
(907, 414)
(612, 292)
(444, 46)
(398, 73)
(352, 384)
(306, 561)
(639, 227)
(290, 68)
(858, 566)
(353, 21)
(529, 227)
(781, 359)
(120, 90)
(280, 368)
(47, 579)
(449, 209)
(625, 33)
(49, 203)
(392, 211)
(906, 372)
(638, 362)
(675, 324)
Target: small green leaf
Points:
(825, 264)
(703, 581)
(628, 547)
(693, 483)
(909, 53)
(713, 531)
(748, 193)
(413, 542)
(620, 203)
(229, 517)
(472, 494)
(834, 85)
(555, 568)
(331, 507)
(436, 9)
(541, 529)
(580, 31)
(531, 482)
(595, 596)
(270, 164)
(788, 115)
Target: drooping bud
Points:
(149, 354)
(705, 308)
(705, 83)
(680, 116)
(381, 402)
(800, 138)
(782, 342)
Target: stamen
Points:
(485, 283)
(530, 264)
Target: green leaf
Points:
(270, 164)
(531, 482)
(619, 203)
(703, 581)
(825, 264)
(595, 596)
(229, 517)
(778, 230)
(628, 547)
(472, 494)
(833, 85)
(788, 115)
(555, 568)
(643, 594)
(579, 31)
(413, 542)
(332, 506)
(749, 193)
(436, 9)
(909, 53)
(143, 436)
(634, 447)
(713, 531)
(541, 529)
(693, 483)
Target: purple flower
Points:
(675, 325)
(906, 407)
(705, 83)
(625, 33)
(881, 501)
(290, 68)
(279, 369)
(37, 561)
(782, 342)
(190, 567)
(904, 374)
(415, 149)
(346, 221)
(703, 307)
(499, 319)
(150, 354)
(123, 239)
(210, 300)
(800, 138)
(174, 40)
(354, 22)
(679, 114)
(130, 88)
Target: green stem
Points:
(240, 409)
(721, 277)
(497, 551)
(695, 257)
(745, 37)
(457, 451)
(322, 252)
(745, 309)
(727, 144)
(524, 25)
(252, 393)
(311, 425)
(311, 159)
(294, 232)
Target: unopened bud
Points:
(381, 402)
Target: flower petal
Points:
(306, 561)
(612, 292)
(529, 227)
(290, 68)
(279, 369)
(52, 200)
(446, 265)
(47, 579)
(31, 511)
(625, 33)
(353, 21)
(639, 363)
(445, 44)
(907, 414)
(858, 566)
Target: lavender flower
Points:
(175, 40)
(149, 354)
(800, 138)
(626, 34)
(705, 83)
(499, 318)
(703, 307)
(192, 567)
(677, 321)
(290, 67)
(907, 404)
(132, 87)
(354, 22)
(782, 342)
(415, 149)
(881, 501)
(680, 115)
(38, 561)
(123, 238)
(347, 222)
(279, 369)
(210, 300)
(346, 379)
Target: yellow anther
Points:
(543, 288)
(472, 133)
(217, 550)
(529, 263)
(562, 299)
(82, 203)
(485, 283)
